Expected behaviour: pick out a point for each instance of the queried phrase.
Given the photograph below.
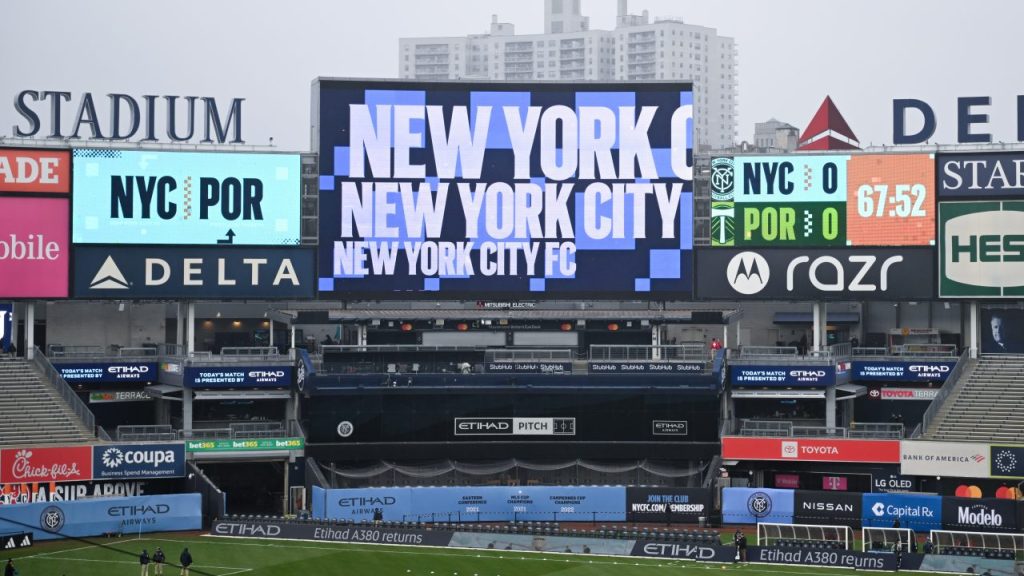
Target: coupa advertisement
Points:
(238, 377)
(83, 518)
(441, 190)
(108, 372)
(484, 503)
(156, 197)
(129, 461)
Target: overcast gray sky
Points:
(791, 52)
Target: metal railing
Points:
(952, 381)
(787, 429)
(665, 353)
(790, 354)
(528, 355)
(55, 380)
(234, 431)
(150, 432)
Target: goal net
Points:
(805, 535)
(883, 539)
(978, 543)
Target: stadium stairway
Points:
(32, 412)
(987, 405)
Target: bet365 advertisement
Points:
(441, 190)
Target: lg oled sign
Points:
(439, 190)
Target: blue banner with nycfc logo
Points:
(754, 505)
(83, 518)
(138, 461)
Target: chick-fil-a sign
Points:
(58, 464)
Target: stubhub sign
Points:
(200, 272)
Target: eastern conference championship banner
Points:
(823, 200)
(437, 190)
(82, 518)
(156, 197)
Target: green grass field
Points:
(230, 557)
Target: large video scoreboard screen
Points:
(455, 190)
(823, 200)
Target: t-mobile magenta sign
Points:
(34, 249)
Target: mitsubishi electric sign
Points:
(136, 461)
(981, 250)
(199, 272)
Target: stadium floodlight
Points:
(804, 535)
(882, 539)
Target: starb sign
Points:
(981, 250)
(814, 274)
(136, 461)
(201, 272)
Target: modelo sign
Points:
(981, 250)
(108, 373)
(137, 461)
(814, 274)
(198, 272)
(215, 198)
(503, 190)
(238, 377)
(37, 171)
(979, 514)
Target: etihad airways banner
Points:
(472, 189)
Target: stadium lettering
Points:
(122, 127)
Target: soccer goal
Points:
(800, 535)
(883, 539)
(977, 543)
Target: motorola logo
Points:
(748, 273)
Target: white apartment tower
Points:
(637, 50)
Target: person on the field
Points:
(897, 550)
(158, 561)
(928, 546)
(741, 546)
(144, 562)
(9, 568)
(186, 561)
(896, 522)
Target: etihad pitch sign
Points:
(188, 118)
(955, 459)
(815, 274)
(198, 273)
(811, 450)
(515, 426)
(35, 170)
(34, 248)
(215, 198)
(444, 190)
(829, 200)
(981, 250)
